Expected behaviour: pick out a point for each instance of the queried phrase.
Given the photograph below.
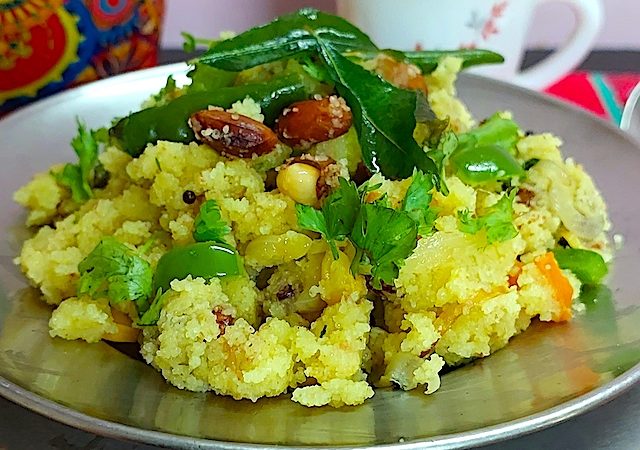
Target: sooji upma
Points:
(312, 215)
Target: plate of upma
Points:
(302, 239)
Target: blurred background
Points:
(602, 83)
(550, 27)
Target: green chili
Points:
(587, 265)
(483, 164)
(169, 122)
(202, 259)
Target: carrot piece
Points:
(120, 317)
(563, 292)
(124, 334)
(514, 273)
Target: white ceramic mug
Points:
(499, 25)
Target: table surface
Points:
(615, 425)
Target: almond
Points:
(232, 134)
(311, 121)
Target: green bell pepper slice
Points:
(202, 259)
(482, 164)
(587, 265)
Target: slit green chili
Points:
(170, 122)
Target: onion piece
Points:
(561, 194)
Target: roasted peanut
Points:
(299, 181)
(311, 121)
(232, 134)
(400, 74)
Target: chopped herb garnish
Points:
(79, 177)
(386, 237)
(115, 271)
(497, 222)
(151, 315)
(191, 42)
(209, 224)
(417, 202)
(336, 218)
(383, 237)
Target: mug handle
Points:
(589, 17)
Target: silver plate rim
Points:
(482, 436)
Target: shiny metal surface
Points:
(630, 120)
(545, 376)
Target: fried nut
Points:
(327, 173)
(311, 121)
(232, 134)
(400, 74)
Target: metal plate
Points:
(544, 376)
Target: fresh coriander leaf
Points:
(497, 221)
(341, 208)
(151, 315)
(167, 92)
(101, 135)
(191, 42)
(384, 117)
(386, 237)
(78, 177)
(286, 37)
(311, 219)
(209, 225)
(71, 177)
(115, 271)
(335, 220)
(447, 144)
(417, 202)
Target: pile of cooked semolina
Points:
(322, 315)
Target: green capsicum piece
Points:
(170, 122)
(587, 265)
(482, 164)
(202, 259)
(494, 131)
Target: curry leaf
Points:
(384, 114)
(384, 117)
(285, 37)
(427, 60)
